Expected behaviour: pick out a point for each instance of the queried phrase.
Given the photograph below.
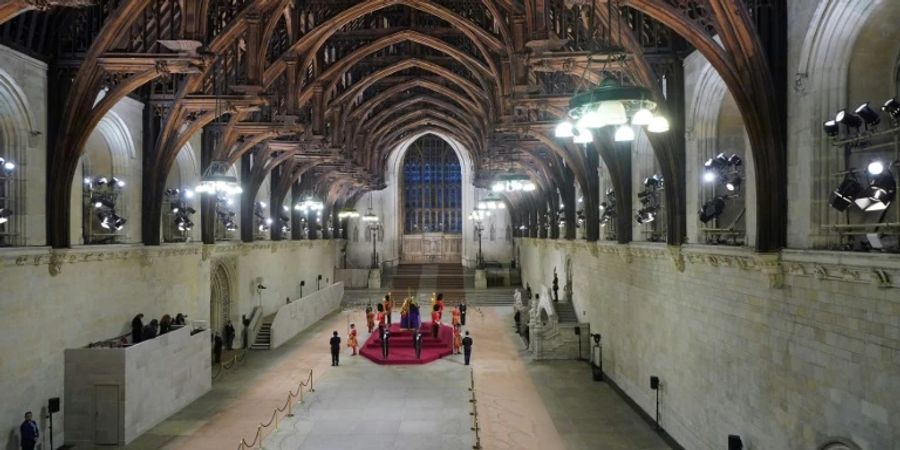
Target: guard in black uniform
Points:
(462, 312)
(417, 343)
(335, 348)
(467, 347)
(385, 343)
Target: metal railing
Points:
(273, 420)
(476, 427)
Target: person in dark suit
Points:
(335, 348)
(417, 343)
(137, 329)
(467, 347)
(385, 342)
(28, 432)
(462, 312)
(229, 335)
(217, 348)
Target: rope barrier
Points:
(475, 425)
(237, 358)
(273, 420)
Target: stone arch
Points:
(713, 120)
(118, 139)
(16, 128)
(221, 295)
(820, 85)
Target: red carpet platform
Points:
(402, 351)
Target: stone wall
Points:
(156, 378)
(297, 316)
(53, 300)
(784, 349)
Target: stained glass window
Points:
(432, 188)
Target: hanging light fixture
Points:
(491, 202)
(215, 179)
(309, 204)
(624, 133)
(348, 213)
(370, 215)
(513, 183)
(615, 103)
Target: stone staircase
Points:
(566, 312)
(264, 336)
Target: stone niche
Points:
(113, 395)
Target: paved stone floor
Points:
(522, 404)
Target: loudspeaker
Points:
(302, 282)
(53, 405)
(654, 383)
(735, 443)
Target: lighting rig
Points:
(102, 194)
(7, 168)
(263, 223)
(225, 212)
(649, 198)
(181, 209)
(871, 188)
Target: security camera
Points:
(260, 287)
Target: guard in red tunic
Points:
(435, 321)
(352, 342)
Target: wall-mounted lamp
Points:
(302, 283)
(318, 280)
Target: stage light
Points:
(709, 176)
(101, 181)
(118, 182)
(733, 182)
(88, 181)
(848, 119)
(5, 214)
(712, 209)
(564, 130)
(653, 181)
(735, 161)
(646, 215)
(875, 167)
(868, 115)
(262, 204)
(8, 166)
(188, 193)
(879, 195)
(175, 209)
(892, 108)
(846, 193)
(624, 134)
(831, 128)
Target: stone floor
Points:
(522, 404)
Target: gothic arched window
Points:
(432, 188)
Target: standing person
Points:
(455, 315)
(435, 321)
(179, 319)
(380, 317)
(246, 334)
(351, 339)
(385, 342)
(388, 307)
(440, 303)
(528, 291)
(457, 339)
(417, 343)
(217, 348)
(28, 432)
(137, 329)
(370, 318)
(335, 348)
(229, 335)
(150, 330)
(467, 347)
(165, 324)
(462, 312)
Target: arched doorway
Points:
(431, 203)
(220, 298)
